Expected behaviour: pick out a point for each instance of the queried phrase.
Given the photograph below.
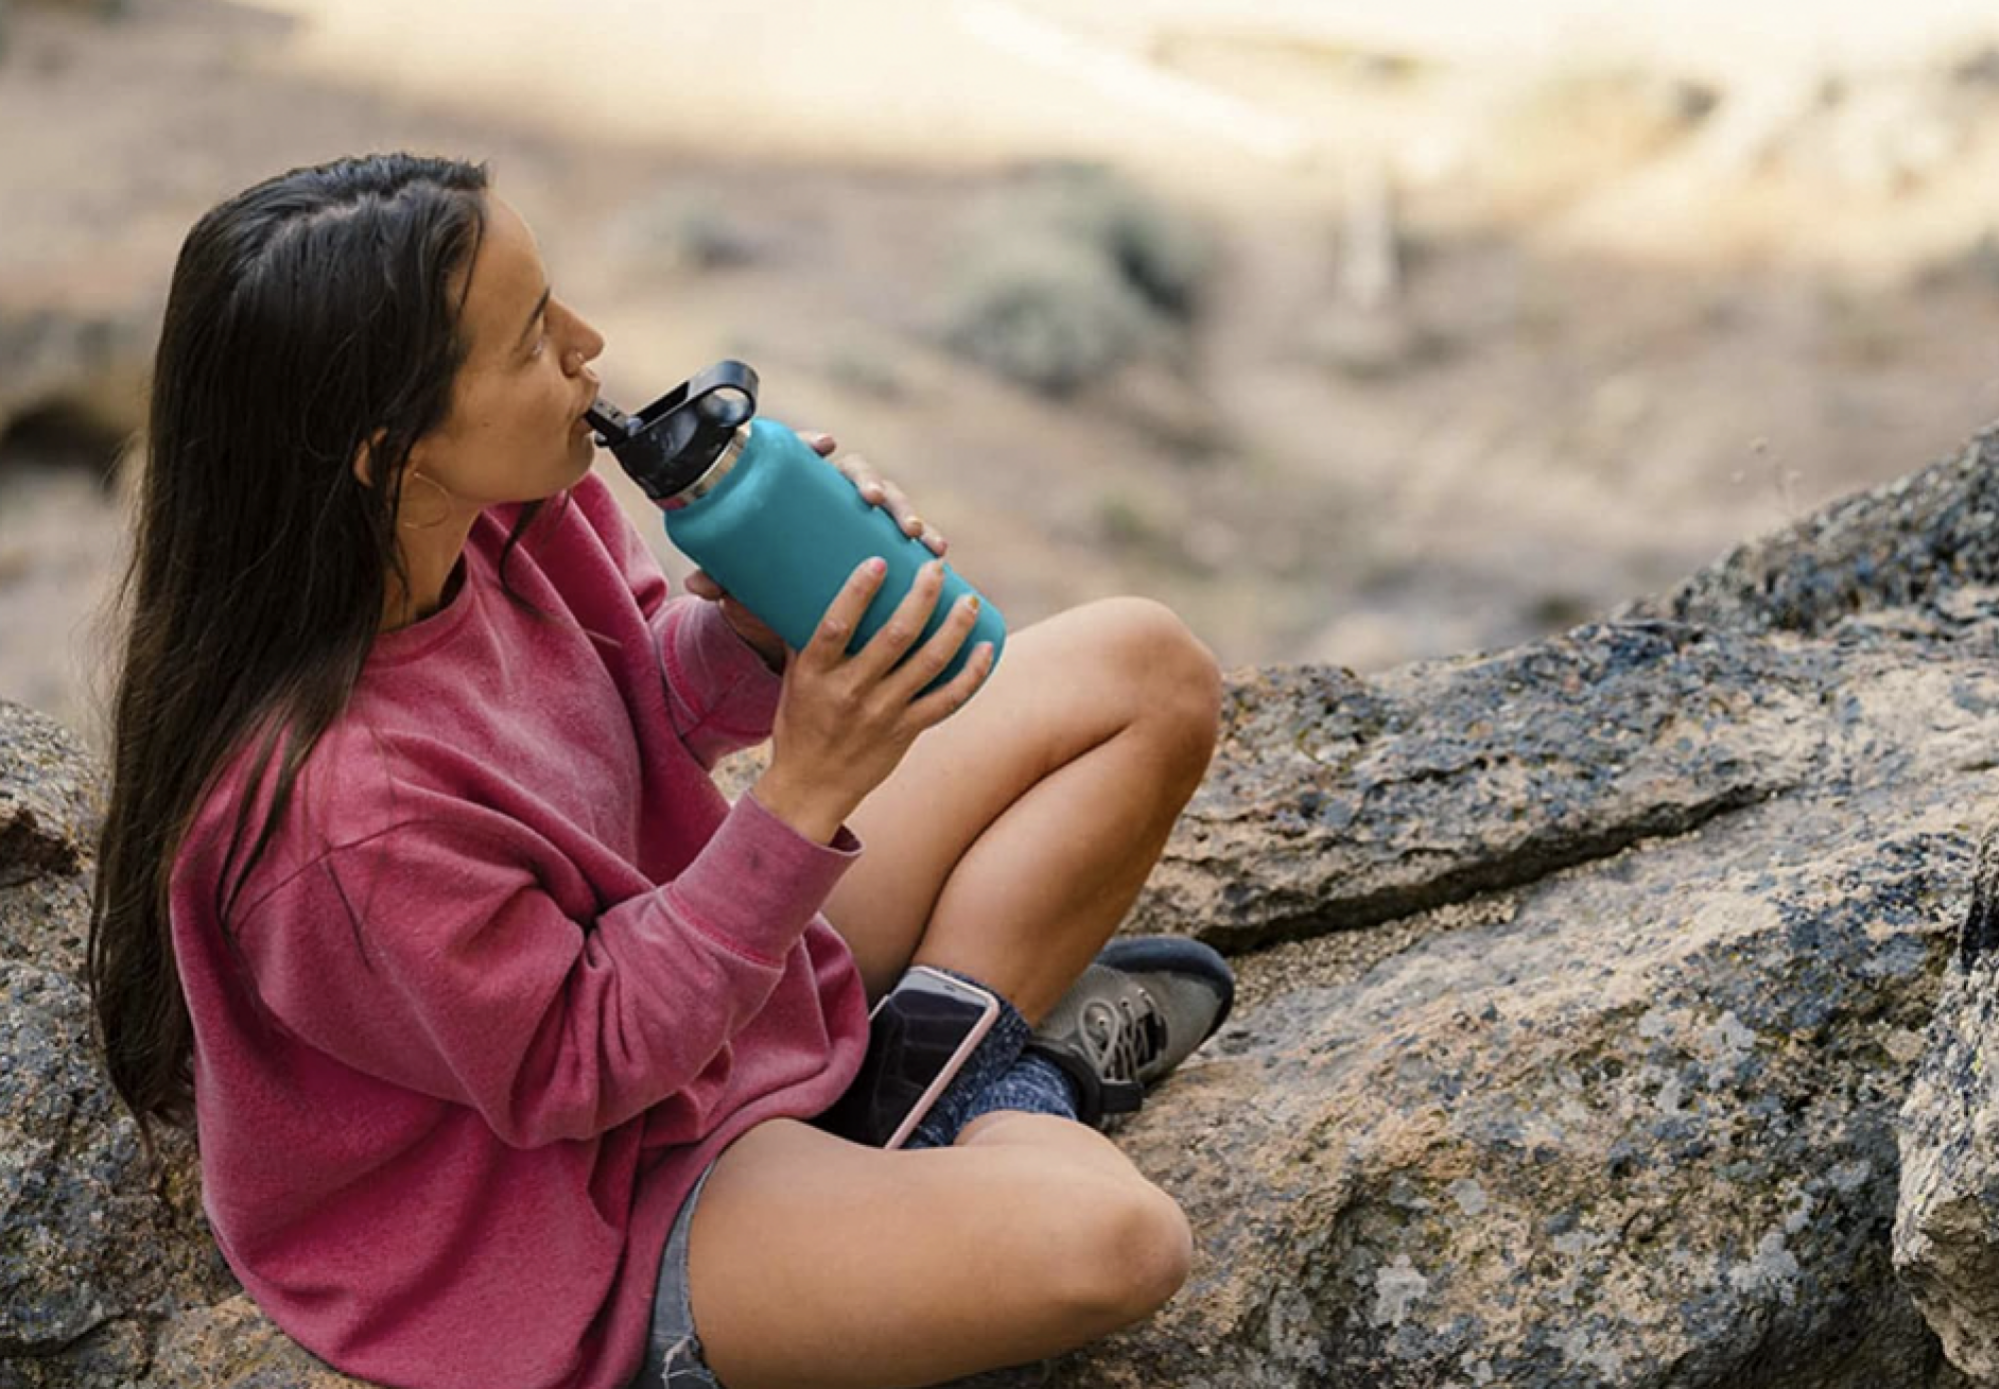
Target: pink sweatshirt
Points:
(516, 971)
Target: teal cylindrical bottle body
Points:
(783, 530)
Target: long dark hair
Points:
(310, 316)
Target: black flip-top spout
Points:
(668, 445)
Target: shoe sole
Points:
(1175, 955)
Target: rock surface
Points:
(1925, 548)
(48, 797)
(1947, 1225)
(1582, 985)
(96, 1254)
(89, 363)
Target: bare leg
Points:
(1014, 836)
(1008, 845)
(817, 1262)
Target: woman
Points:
(416, 897)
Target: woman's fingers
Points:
(904, 511)
(946, 700)
(880, 663)
(842, 618)
(904, 626)
(929, 660)
(877, 490)
(897, 503)
(872, 486)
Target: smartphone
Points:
(919, 1035)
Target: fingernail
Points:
(877, 565)
(972, 604)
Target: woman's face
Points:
(515, 432)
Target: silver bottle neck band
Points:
(710, 480)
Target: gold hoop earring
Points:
(425, 525)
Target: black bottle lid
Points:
(668, 445)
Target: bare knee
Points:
(1174, 677)
(1133, 1251)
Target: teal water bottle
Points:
(774, 523)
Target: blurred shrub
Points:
(861, 367)
(1973, 267)
(1979, 67)
(1076, 275)
(101, 9)
(1158, 252)
(1047, 312)
(92, 9)
(1983, 257)
(682, 231)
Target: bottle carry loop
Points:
(672, 444)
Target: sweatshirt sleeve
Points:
(429, 956)
(723, 696)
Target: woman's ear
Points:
(364, 458)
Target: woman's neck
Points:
(430, 556)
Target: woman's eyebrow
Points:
(539, 305)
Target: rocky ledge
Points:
(1601, 999)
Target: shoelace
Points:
(1123, 1036)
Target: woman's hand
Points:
(844, 722)
(873, 487)
(878, 491)
(760, 638)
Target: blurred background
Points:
(1355, 333)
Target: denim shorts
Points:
(673, 1352)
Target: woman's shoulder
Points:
(345, 792)
(383, 763)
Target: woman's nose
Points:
(589, 341)
(592, 342)
(585, 343)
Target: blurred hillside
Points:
(1356, 337)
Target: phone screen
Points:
(919, 1035)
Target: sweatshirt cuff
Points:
(757, 883)
(752, 688)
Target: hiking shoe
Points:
(1136, 1013)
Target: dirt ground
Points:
(1491, 341)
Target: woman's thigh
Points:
(1064, 686)
(814, 1261)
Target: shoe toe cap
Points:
(1183, 959)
